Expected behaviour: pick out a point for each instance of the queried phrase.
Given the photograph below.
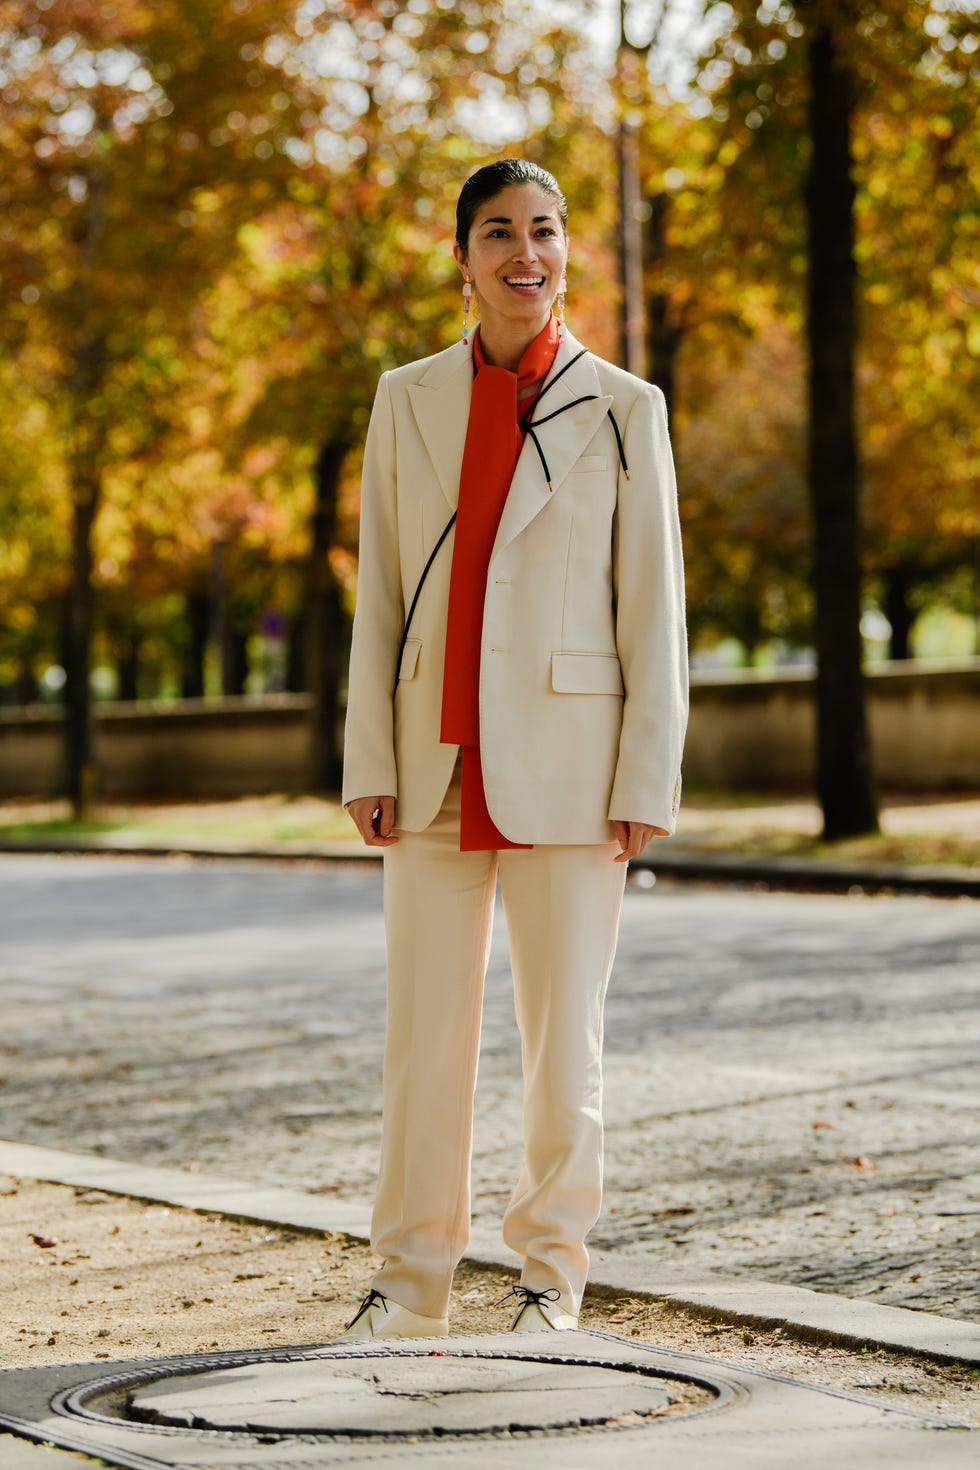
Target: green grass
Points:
(755, 824)
(913, 849)
(277, 819)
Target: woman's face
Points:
(515, 256)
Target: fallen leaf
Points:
(46, 1242)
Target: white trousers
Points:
(562, 907)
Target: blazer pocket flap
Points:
(410, 658)
(586, 673)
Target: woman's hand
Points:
(374, 817)
(633, 838)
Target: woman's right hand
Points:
(374, 818)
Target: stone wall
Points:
(226, 747)
(758, 730)
(751, 730)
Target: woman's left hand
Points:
(633, 838)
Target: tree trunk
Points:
(79, 724)
(326, 642)
(198, 612)
(129, 664)
(236, 660)
(845, 780)
(898, 584)
(664, 335)
(86, 456)
(27, 689)
(88, 430)
(296, 656)
(631, 344)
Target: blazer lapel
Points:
(562, 441)
(441, 405)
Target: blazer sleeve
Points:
(369, 736)
(651, 638)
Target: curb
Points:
(809, 875)
(807, 1315)
(779, 873)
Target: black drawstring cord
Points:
(418, 590)
(619, 443)
(372, 1298)
(528, 427)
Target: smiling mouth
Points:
(524, 283)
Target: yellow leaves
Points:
(207, 201)
(199, 423)
(259, 460)
(22, 616)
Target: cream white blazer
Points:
(583, 674)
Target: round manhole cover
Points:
(402, 1395)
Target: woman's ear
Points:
(461, 261)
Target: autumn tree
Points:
(353, 272)
(134, 163)
(225, 219)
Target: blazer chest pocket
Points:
(410, 658)
(586, 673)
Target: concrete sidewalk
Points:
(810, 1315)
(586, 1399)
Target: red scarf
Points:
(493, 446)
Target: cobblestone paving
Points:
(793, 1082)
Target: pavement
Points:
(792, 1083)
(500, 1402)
(814, 1315)
(582, 1399)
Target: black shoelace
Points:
(372, 1299)
(529, 1298)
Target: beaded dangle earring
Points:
(560, 304)
(467, 297)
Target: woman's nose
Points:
(525, 250)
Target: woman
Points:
(527, 723)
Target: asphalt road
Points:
(792, 1082)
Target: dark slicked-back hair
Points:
(487, 182)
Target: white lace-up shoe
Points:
(379, 1317)
(538, 1311)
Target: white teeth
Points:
(524, 280)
